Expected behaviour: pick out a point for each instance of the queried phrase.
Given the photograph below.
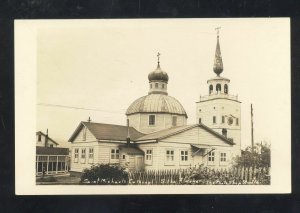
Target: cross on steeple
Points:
(218, 30)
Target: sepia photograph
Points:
(153, 106)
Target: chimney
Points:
(224, 132)
(128, 134)
(46, 139)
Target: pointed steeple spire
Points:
(218, 63)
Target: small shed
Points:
(131, 157)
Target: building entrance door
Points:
(139, 163)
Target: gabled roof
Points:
(176, 130)
(51, 151)
(107, 131)
(166, 133)
(50, 139)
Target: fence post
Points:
(250, 174)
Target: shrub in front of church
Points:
(103, 174)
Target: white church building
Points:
(157, 135)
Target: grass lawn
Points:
(58, 180)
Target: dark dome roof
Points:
(156, 103)
(158, 75)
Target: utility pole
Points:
(252, 138)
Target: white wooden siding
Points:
(89, 137)
(79, 167)
(196, 135)
(42, 142)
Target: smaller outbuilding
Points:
(50, 159)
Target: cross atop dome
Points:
(158, 54)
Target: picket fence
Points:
(202, 176)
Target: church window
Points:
(237, 121)
(210, 89)
(91, 155)
(151, 120)
(148, 156)
(226, 88)
(150, 86)
(82, 156)
(211, 156)
(199, 120)
(156, 85)
(169, 155)
(184, 155)
(214, 119)
(163, 86)
(114, 154)
(76, 154)
(51, 145)
(39, 138)
(223, 157)
(223, 119)
(124, 156)
(174, 120)
(218, 87)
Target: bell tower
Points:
(220, 110)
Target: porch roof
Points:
(51, 151)
(201, 146)
(131, 150)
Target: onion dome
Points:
(156, 103)
(158, 74)
(218, 63)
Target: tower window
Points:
(224, 132)
(150, 86)
(210, 89)
(223, 119)
(199, 120)
(156, 85)
(226, 88)
(214, 119)
(218, 87)
(174, 120)
(39, 138)
(163, 86)
(151, 120)
(237, 121)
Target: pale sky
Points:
(104, 64)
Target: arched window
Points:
(163, 86)
(156, 85)
(210, 89)
(150, 86)
(226, 88)
(218, 87)
(224, 132)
